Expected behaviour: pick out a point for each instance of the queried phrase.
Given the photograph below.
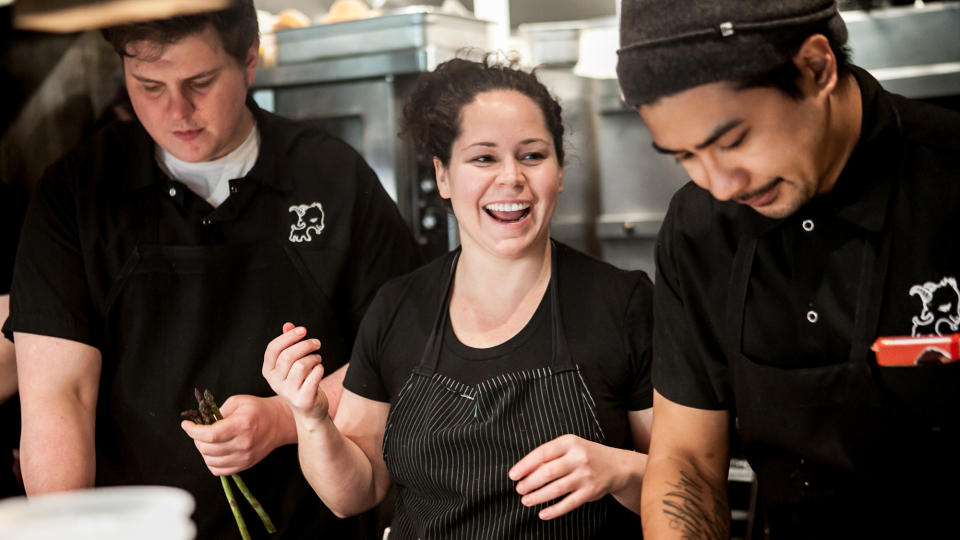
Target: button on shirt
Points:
(802, 292)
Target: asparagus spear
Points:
(241, 524)
(241, 485)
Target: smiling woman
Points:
(511, 375)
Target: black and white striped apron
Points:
(448, 445)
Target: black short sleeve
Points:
(12, 209)
(394, 331)
(689, 366)
(638, 342)
(49, 293)
(363, 375)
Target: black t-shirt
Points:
(522, 352)
(606, 317)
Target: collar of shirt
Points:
(275, 141)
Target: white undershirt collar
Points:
(211, 179)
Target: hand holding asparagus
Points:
(208, 412)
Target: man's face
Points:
(190, 95)
(755, 146)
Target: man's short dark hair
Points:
(786, 76)
(237, 27)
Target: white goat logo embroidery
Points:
(309, 222)
(941, 308)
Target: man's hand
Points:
(294, 372)
(582, 470)
(251, 428)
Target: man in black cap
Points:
(821, 208)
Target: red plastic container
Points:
(917, 351)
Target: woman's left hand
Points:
(582, 470)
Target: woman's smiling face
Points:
(503, 177)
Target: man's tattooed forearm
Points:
(695, 517)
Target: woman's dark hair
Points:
(785, 76)
(431, 116)
(237, 27)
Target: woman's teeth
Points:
(508, 212)
(507, 207)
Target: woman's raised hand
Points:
(293, 369)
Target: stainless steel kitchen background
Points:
(353, 78)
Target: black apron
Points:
(448, 445)
(185, 316)
(836, 452)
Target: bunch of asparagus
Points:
(207, 412)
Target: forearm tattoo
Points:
(690, 511)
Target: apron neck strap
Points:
(561, 359)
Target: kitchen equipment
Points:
(911, 50)
(418, 29)
(108, 513)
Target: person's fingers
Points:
(288, 326)
(225, 470)
(547, 451)
(230, 405)
(217, 432)
(192, 430)
(308, 363)
(295, 376)
(277, 345)
(548, 492)
(313, 379)
(566, 505)
(292, 354)
(545, 475)
(210, 450)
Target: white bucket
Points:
(108, 513)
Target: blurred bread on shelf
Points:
(347, 10)
(290, 18)
(269, 24)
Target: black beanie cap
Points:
(667, 46)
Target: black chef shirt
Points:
(808, 270)
(898, 197)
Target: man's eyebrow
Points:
(720, 131)
(143, 79)
(663, 150)
(200, 75)
(204, 74)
